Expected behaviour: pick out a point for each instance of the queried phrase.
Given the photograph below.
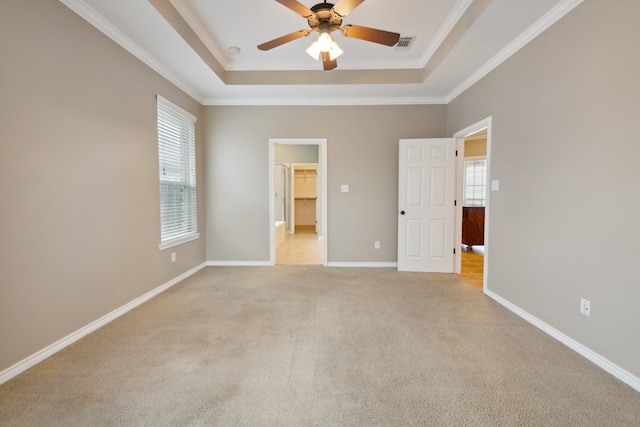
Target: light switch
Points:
(344, 188)
(495, 185)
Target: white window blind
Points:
(177, 155)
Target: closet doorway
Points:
(297, 197)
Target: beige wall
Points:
(564, 224)
(362, 151)
(79, 222)
(285, 153)
(475, 147)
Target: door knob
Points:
(401, 212)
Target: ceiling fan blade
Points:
(284, 39)
(298, 8)
(327, 63)
(371, 35)
(345, 7)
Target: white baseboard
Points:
(615, 370)
(50, 350)
(239, 264)
(363, 264)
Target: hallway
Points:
(301, 248)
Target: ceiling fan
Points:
(326, 18)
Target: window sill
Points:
(175, 242)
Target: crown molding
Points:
(196, 24)
(98, 21)
(316, 102)
(453, 18)
(550, 18)
(198, 27)
(312, 65)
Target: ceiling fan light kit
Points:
(325, 18)
(324, 42)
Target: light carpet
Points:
(317, 346)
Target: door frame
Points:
(460, 136)
(322, 167)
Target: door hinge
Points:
(456, 153)
(454, 251)
(455, 203)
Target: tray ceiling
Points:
(208, 48)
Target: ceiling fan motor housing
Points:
(325, 19)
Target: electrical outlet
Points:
(585, 307)
(376, 244)
(173, 257)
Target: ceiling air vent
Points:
(404, 43)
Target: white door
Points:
(319, 199)
(426, 196)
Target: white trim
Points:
(189, 15)
(321, 142)
(474, 128)
(355, 65)
(193, 20)
(164, 101)
(615, 370)
(272, 102)
(50, 350)
(363, 264)
(176, 242)
(469, 130)
(550, 18)
(94, 18)
(457, 262)
(470, 158)
(238, 264)
(456, 13)
(99, 22)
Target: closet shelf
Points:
(305, 198)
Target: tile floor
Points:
(473, 265)
(301, 248)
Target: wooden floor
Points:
(301, 248)
(473, 266)
(304, 248)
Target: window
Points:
(177, 155)
(475, 182)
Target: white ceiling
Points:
(456, 43)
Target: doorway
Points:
(473, 191)
(473, 207)
(298, 218)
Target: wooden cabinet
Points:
(472, 226)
